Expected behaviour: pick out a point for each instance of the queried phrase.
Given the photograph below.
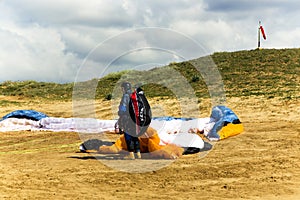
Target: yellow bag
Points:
(230, 130)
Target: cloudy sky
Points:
(67, 40)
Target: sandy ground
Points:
(261, 163)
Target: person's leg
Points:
(130, 146)
(213, 133)
(218, 116)
(137, 147)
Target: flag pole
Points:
(258, 41)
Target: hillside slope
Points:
(267, 72)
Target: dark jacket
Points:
(124, 104)
(123, 111)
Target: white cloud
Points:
(49, 40)
(102, 13)
(35, 53)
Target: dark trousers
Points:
(133, 144)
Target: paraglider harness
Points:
(140, 115)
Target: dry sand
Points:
(261, 163)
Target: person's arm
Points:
(123, 111)
(123, 107)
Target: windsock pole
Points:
(258, 41)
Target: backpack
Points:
(140, 111)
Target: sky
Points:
(73, 40)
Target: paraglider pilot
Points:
(126, 125)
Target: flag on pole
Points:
(263, 32)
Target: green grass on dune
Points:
(266, 72)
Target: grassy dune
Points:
(267, 72)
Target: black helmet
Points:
(126, 86)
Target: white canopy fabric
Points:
(174, 131)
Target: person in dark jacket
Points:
(126, 124)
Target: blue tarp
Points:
(25, 114)
(221, 115)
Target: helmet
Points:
(126, 86)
